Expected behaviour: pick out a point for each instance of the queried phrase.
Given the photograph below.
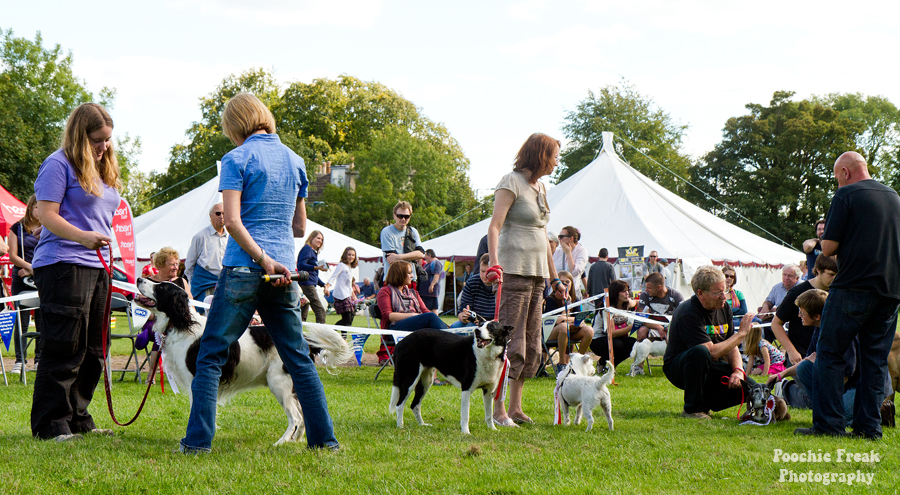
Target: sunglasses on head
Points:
(402, 217)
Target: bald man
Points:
(862, 228)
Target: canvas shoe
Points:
(68, 437)
(778, 390)
(696, 415)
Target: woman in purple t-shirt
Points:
(77, 194)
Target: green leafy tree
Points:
(397, 152)
(400, 165)
(628, 114)
(137, 186)
(37, 92)
(194, 162)
(774, 166)
(337, 118)
(880, 142)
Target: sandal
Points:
(508, 422)
(522, 421)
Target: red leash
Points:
(495, 274)
(105, 338)
(724, 381)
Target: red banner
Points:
(124, 230)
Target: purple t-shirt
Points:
(56, 182)
(270, 177)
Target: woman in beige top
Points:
(517, 242)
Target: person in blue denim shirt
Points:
(263, 185)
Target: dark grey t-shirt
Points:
(600, 276)
(661, 305)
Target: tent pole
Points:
(453, 264)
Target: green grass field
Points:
(652, 450)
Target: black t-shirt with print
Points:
(692, 325)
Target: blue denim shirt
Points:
(270, 177)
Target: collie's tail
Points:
(335, 349)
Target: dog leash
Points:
(725, 380)
(495, 274)
(105, 338)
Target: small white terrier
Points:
(642, 350)
(577, 387)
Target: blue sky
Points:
(492, 72)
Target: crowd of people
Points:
(831, 332)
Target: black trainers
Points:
(887, 413)
(814, 432)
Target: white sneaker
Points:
(68, 437)
(17, 368)
(778, 391)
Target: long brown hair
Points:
(346, 255)
(88, 118)
(312, 235)
(568, 277)
(614, 288)
(29, 221)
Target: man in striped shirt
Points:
(478, 296)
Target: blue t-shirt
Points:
(56, 182)
(392, 242)
(270, 177)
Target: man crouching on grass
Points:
(702, 347)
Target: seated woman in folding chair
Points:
(567, 326)
(623, 326)
(401, 306)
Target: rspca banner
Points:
(123, 227)
(139, 315)
(7, 321)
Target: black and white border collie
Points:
(469, 363)
(252, 362)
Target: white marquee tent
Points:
(614, 205)
(175, 223)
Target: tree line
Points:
(772, 166)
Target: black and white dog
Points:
(469, 363)
(252, 362)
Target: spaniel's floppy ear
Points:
(173, 301)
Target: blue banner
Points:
(7, 322)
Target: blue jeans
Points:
(805, 377)
(459, 324)
(418, 322)
(849, 313)
(237, 296)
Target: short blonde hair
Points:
(401, 205)
(244, 115)
(164, 255)
(705, 277)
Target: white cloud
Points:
(529, 10)
(347, 13)
(576, 45)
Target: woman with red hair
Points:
(518, 249)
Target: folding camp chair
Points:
(390, 360)
(547, 324)
(26, 337)
(118, 302)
